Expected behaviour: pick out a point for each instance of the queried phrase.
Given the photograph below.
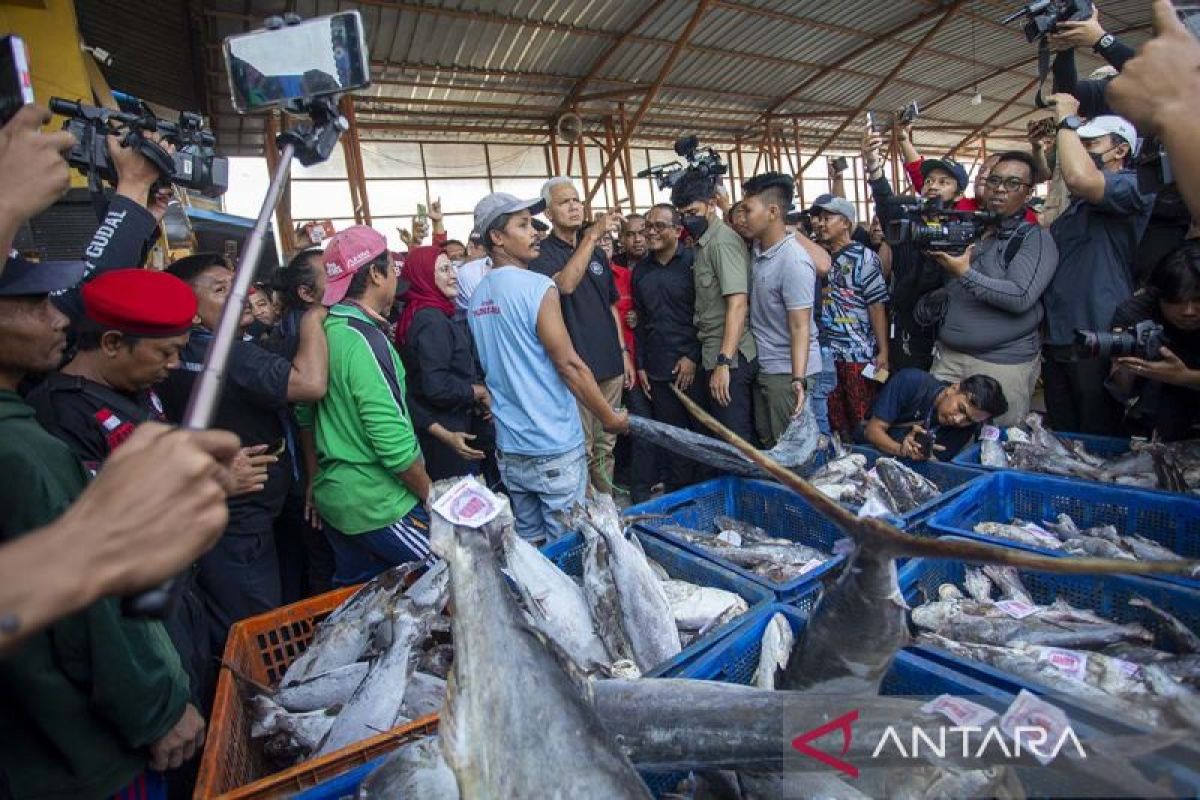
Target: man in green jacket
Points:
(370, 483)
(92, 701)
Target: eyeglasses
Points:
(660, 226)
(1012, 184)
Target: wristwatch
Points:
(724, 361)
(802, 381)
(1104, 42)
(1071, 123)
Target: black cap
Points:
(23, 278)
(946, 165)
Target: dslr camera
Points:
(706, 162)
(1043, 16)
(1143, 341)
(194, 164)
(930, 225)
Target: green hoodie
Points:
(80, 701)
(364, 433)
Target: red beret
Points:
(140, 302)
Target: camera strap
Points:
(1043, 71)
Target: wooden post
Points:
(627, 162)
(283, 211)
(799, 163)
(583, 173)
(554, 154)
(741, 168)
(611, 147)
(487, 163)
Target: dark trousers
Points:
(305, 558)
(188, 627)
(239, 578)
(738, 416)
(643, 457)
(681, 471)
(362, 556)
(1076, 400)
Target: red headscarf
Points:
(422, 291)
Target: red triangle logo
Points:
(842, 723)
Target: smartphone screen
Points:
(317, 57)
(16, 87)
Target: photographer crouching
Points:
(1156, 336)
(992, 300)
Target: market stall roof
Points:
(506, 70)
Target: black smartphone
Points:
(16, 86)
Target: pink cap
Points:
(348, 251)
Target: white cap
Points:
(1109, 123)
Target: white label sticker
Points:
(1017, 609)
(468, 503)
(990, 433)
(1071, 663)
(1029, 713)
(962, 713)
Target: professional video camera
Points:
(708, 163)
(194, 165)
(1143, 341)
(930, 225)
(1044, 16)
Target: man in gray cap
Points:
(853, 316)
(1098, 236)
(532, 371)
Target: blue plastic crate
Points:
(1171, 519)
(774, 508)
(342, 786)
(949, 477)
(567, 555)
(918, 671)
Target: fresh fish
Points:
(509, 689)
(948, 591)
(416, 771)
(774, 651)
(555, 603)
(909, 488)
(848, 466)
(330, 689)
(748, 532)
(696, 608)
(423, 696)
(303, 731)
(1009, 582)
(979, 586)
(1183, 637)
(1064, 527)
(375, 705)
(334, 645)
(436, 660)
(1147, 550)
(1095, 546)
(432, 589)
(629, 605)
(1015, 533)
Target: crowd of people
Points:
(363, 375)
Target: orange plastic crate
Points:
(261, 648)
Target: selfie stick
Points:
(310, 143)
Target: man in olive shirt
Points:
(722, 274)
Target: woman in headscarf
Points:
(442, 379)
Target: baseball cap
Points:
(496, 204)
(22, 278)
(835, 205)
(346, 253)
(140, 302)
(946, 165)
(1109, 123)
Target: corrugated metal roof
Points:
(496, 69)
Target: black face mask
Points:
(1098, 158)
(695, 225)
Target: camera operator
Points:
(1087, 34)
(1163, 388)
(1158, 90)
(914, 273)
(86, 705)
(722, 274)
(994, 293)
(1098, 235)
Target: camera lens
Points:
(1099, 344)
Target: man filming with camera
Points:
(1158, 330)
(914, 272)
(993, 297)
(1098, 235)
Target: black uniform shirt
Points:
(588, 310)
(665, 295)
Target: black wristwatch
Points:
(802, 381)
(1071, 123)
(1104, 42)
(724, 361)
